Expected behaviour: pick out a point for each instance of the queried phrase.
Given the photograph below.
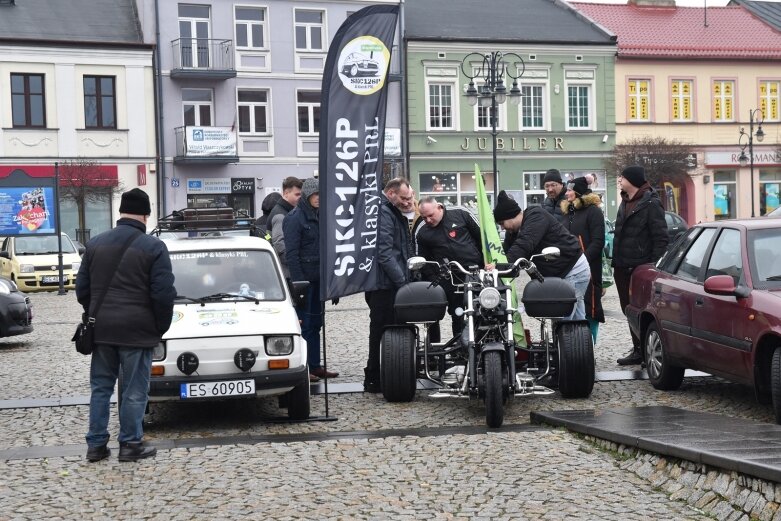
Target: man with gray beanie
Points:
(301, 228)
(640, 237)
(125, 283)
(554, 192)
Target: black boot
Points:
(371, 382)
(98, 453)
(632, 358)
(135, 450)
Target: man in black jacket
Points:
(640, 237)
(452, 234)
(531, 231)
(135, 313)
(393, 250)
(291, 194)
(554, 192)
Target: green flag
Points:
(492, 248)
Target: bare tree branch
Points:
(663, 159)
(83, 181)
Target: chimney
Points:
(652, 3)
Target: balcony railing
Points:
(203, 58)
(205, 145)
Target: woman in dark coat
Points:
(584, 219)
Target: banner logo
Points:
(362, 65)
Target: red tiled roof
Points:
(680, 32)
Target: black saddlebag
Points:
(553, 298)
(420, 302)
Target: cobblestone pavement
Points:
(545, 474)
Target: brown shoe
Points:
(322, 373)
(313, 379)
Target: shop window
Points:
(769, 184)
(724, 194)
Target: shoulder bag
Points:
(84, 337)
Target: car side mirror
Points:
(81, 250)
(298, 289)
(725, 285)
(416, 263)
(5, 255)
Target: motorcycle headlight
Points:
(75, 266)
(279, 345)
(490, 298)
(26, 268)
(158, 353)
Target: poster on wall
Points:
(721, 200)
(27, 211)
(771, 197)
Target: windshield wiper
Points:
(196, 300)
(774, 278)
(220, 296)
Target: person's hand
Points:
(489, 266)
(334, 301)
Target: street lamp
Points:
(493, 66)
(747, 139)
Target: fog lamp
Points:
(244, 359)
(187, 363)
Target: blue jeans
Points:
(135, 364)
(580, 281)
(311, 316)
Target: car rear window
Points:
(764, 250)
(251, 273)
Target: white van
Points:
(235, 333)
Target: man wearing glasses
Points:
(554, 192)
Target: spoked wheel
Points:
(662, 374)
(576, 359)
(398, 377)
(494, 389)
(298, 400)
(775, 383)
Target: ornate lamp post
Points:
(747, 140)
(493, 92)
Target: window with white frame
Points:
(309, 29)
(197, 105)
(532, 106)
(769, 99)
(681, 92)
(723, 100)
(639, 99)
(308, 107)
(250, 27)
(579, 106)
(440, 106)
(253, 111)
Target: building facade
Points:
(77, 86)
(699, 77)
(564, 67)
(240, 95)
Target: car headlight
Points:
(26, 268)
(490, 298)
(75, 266)
(158, 353)
(279, 345)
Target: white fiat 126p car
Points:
(235, 333)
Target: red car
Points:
(713, 303)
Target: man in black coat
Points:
(640, 237)
(135, 313)
(393, 250)
(554, 192)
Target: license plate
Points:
(50, 278)
(215, 389)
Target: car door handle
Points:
(699, 302)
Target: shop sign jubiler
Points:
(354, 95)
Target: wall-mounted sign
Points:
(242, 185)
(27, 211)
(208, 186)
(762, 157)
(392, 142)
(210, 141)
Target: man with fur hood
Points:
(640, 237)
(584, 219)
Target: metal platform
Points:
(724, 442)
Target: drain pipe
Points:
(161, 199)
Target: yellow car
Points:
(31, 262)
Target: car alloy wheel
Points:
(654, 354)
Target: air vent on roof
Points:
(578, 58)
(532, 57)
(441, 55)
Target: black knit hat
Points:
(552, 175)
(135, 202)
(635, 174)
(506, 207)
(579, 185)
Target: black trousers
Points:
(381, 315)
(454, 300)
(622, 278)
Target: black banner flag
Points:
(352, 129)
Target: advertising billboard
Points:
(27, 211)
